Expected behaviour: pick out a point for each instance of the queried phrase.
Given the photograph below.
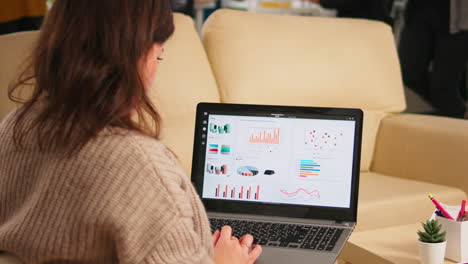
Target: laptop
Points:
(287, 175)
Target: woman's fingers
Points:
(226, 233)
(246, 240)
(255, 253)
(216, 236)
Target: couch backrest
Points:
(184, 78)
(308, 61)
(14, 49)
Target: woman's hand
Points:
(230, 250)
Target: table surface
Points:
(385, 246)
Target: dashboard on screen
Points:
(278, 159)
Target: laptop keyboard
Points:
(283, 235)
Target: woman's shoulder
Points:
(8, 119)
(130, 150)
(131, 140)
(126, 159)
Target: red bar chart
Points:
(258, 135)
(242, 192)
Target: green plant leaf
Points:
(437, 229)
(428, 228)
(432, 232)
(442, 235)
(424, 237)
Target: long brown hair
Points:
(86, 66)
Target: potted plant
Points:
(432, 243)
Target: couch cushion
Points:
(6, 258)
(423, 147)
(311, 61)
(184, 79)
(387, 201)
(14, 49)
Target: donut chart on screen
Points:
(247, 171)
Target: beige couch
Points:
(309, 61)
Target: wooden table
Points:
(392, 245)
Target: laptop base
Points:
(272, 255)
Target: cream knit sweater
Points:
(121, 199)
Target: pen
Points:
(461, 214)
(437, 212)
(441, 209)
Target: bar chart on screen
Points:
(237, 192)
(264, 135)
(308, 169)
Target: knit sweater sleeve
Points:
(180, 244)
(163, 220)
(123, 198)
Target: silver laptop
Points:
(286, 175)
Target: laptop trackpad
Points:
(273, 255)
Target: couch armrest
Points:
(426, 148)
(7, 258)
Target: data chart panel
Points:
(299, 161)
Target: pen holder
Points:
(457, 239)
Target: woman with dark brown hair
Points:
(80, 180)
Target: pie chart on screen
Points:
(247, 171)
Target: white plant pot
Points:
(432, 253)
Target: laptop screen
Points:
(281, 159)
(286, 157)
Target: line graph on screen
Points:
(300, 194)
